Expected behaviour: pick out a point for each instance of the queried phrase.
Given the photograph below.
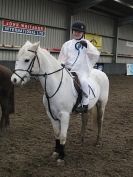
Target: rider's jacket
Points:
(77, 57)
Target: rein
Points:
(57, 87)
(46, 93)
(45, 75)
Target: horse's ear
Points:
(35, 46)
(27, 43)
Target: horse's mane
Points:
(45, 53)
(50, 57)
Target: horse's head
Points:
(25, 63)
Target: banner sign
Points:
(95, 40)
(129, 44)
(129, 69)
(23, 28)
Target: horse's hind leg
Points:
(5, 115)
(91, 115)
(100, 116)
(84, 120)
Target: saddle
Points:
(77, 86)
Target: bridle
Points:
(29, 69)
(45, 75)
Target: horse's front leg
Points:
(56, 128)
(64, 124)
(60, 131)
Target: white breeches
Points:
(85, 88)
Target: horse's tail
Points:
(11, 100)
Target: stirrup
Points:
(82, 109)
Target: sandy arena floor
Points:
(25, 148)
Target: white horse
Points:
(60, 94)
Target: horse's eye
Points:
(26, 60)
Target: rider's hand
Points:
(83, 43)
(63, 65)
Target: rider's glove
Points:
(63, 65)
(83, 43)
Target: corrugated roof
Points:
(118, 8)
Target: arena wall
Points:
(116, 41)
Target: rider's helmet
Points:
(79, 26)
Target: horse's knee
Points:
(56, 130)
(100, 108)
(56, 133)
(62, 139)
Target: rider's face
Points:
(77, 34)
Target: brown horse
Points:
(6, 96)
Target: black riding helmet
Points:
(79, 26)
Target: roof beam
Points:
(126, 20)
(124, 3)
(108, 10)
(85, 4)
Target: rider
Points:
(79, 55)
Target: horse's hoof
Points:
(55, 155)
(98, 144)
(60, 162)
